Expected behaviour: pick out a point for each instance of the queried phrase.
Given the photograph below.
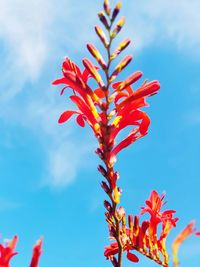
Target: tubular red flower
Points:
(154, 205)
(37, 250)
(146, 90)
(7, 252)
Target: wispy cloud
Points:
(33, 34)
(175, 22)
(65, 155)
(24, 32)
(6, 204)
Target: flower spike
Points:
(109, 109)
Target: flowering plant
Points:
(108, 109)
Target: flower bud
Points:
(103, 19)
(102, 36)
(118, 27)
(114, 261)
(120, 48)
(105, 187)
(102, 170)
(92, 70)
(96, 54)
(100, 153)
(130, 221)
(145, 226)
(136, 224)
(121, 213)
(130, 80)
(125, 61)
(130, 224)
(106, 6)
(116, 195)
(108, 206)
(116, 11)
(112, 231)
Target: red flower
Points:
(86, 98)
(37, 250)
(7, 252)
(154, 205)
(111, 250)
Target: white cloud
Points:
(65, 155)
(33, 34)
(166, 22)
(63, 162)
(24, 31)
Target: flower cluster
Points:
(7, 251)
(143, 237)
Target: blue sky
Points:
(48, 178)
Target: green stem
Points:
(109, 170)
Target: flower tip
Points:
(156, 84)
(132, 257)
(55, 82)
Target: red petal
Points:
(60, 81)
(69, 65)
(66, 115)
(92, 70)
(80, 120)
(132, 117)
(119, 96)
(130, 80)
(144, 124)
(115, 85)
(132, 257)
(111, 250)
(126, 142)
(82, 106)
(99, 92)
(146, 90)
